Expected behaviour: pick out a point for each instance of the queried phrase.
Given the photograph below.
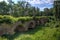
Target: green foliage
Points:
(49, 31)
(24, 18)
(3, 38)
(41, 33)
(10, 19)
(7, 19)
(22, 8)
(4, 7)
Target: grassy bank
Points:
(49, 31)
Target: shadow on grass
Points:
(30, 31)
(33, 31)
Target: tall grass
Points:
(49, 31)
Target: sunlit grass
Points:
(41, 33)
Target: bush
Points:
(7, 19)
(24, 19)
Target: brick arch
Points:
(15, 25)
(32, 24)
(19, 28)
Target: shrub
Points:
(7, 20)
(24, 19)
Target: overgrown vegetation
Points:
(10, 19)
(24, 12)
(43, 32)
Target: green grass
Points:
(43, 34)
(50, 32)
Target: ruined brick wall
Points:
(21, 27)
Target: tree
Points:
(4, 8)
(38, 12)
(21, 8)
(57, 9)
(51, 11)
(46, 11)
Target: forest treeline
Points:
(22, 8)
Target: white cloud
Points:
(40, 1)
(48, 1)
(37, 1)
(1, 0)
(4, 0)
(44, 7)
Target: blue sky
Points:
(38, 3)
